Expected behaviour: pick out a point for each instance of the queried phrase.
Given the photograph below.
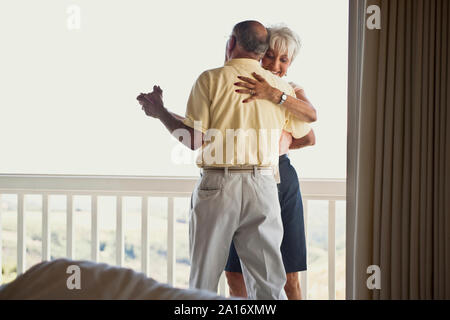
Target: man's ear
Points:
(232, 42)
(231, 45)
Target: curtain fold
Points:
(398, 209)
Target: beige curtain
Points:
(398, 206)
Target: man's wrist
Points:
(162, 112)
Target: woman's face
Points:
(276, 62)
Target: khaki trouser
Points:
(241, 206)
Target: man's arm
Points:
(172, 123)
(306, 141)
(153, 105)
(177, 116)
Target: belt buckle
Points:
(266, 172)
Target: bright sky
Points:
(68, 104)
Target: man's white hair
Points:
(284, 40)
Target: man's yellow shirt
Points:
(237, 133)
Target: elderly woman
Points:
(284, 46)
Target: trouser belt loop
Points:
(255, 171)
(226, 172)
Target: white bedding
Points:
(48, 280)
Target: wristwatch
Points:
(283, 98)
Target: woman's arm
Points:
(300, 106)
(310, 138)
(306, 141)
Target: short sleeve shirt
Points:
(238, 133)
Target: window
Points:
(68, 100)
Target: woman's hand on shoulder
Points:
(257, 88)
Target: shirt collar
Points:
(243, 62)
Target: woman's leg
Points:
(233, 272)
(292, 286)
(236, 284)
(293, 247)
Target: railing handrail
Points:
(163, 185)
(96, 183)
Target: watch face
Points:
(283, 98)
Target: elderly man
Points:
(236, 197)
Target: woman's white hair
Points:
(284, 40)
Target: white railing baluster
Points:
(332, 250)
(119, 232)
(21, 263)
(45, 229)
(222, 285)
(227, 290)
(304, 274)
(144, 236)
(94, 229)
(1, 243)
(170, 243)
(69, 226)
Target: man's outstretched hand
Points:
(152, 103)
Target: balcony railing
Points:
(331, 190)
